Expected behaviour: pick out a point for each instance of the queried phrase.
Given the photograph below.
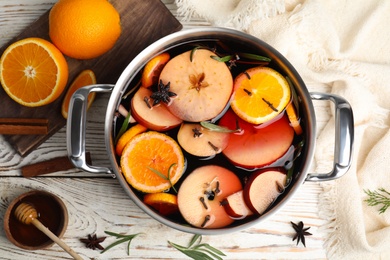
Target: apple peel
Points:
(262, 189)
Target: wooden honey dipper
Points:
(27, 214)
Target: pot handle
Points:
(344, 135)
(76, 124)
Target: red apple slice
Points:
(200, 195)
(262, 188)
(203, 85)
(200, 141)
(235, 206)
(257, 146)
(157, 117)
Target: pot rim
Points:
(201, 34)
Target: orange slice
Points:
(127, 136)
(294, 120)
(33, 72)
(147, 153)
(153, 68)
(164, 203)
(85, 78)
(260, 94)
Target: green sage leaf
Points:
(222, 59)
(194, 239)
(196, 250)
(122, 239)
(165, 177)
(216, 128)
(253, 56)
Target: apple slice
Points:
(235, 206)
(199, 141)
(202, 84)
(157, 117)
(200, 195)
(262, 188)
(257, 146)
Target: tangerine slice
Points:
(294, 120)
(153, 68)
(260, 94)
(33, 72)
(147, 153)
(164, 203)
(85, 78)
(127, 136)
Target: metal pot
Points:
(344, 132)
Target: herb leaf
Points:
(193, 52)
(379, 197)
(165, 177)
(297, 153)
(217, 128)
(253, 56)
(122, 239)
(196, 250)
(128, 93)
(124, 127)
(222, 59)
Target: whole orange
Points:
(84, 29)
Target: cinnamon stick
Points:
(49, 166)
(24, 126)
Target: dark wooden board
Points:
(143, 22)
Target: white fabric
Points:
(342, 46)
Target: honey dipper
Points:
(27, 214)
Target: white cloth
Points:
(341, 46)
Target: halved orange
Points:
(33, 72)
(260, 94)
(164, 203)
(85, 78)
(127, 136)
(153, 68)
(148, 153)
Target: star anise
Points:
(300, 232)
(162, 94)
(93, 242)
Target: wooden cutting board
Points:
(143, 22)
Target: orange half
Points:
(33, 72)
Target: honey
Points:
(51, 213)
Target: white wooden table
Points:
(97, 203)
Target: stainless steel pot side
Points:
(344, 130)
